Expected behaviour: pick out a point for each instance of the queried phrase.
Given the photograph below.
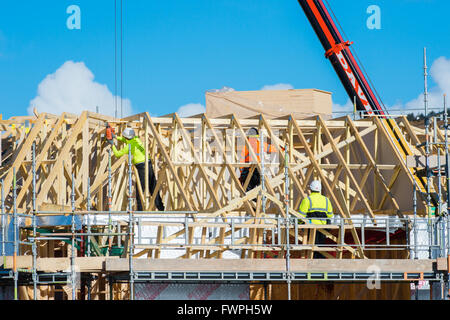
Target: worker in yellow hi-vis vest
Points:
(317, 206)
(138, 153)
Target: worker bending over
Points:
(317, 206)
(253, 139)
(138, 154)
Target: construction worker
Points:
(317, 206)
(138, 153)
(253, 139)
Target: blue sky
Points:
(175, 50)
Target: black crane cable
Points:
(116, 80)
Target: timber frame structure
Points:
(62, 166)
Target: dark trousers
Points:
(320, 239)
(255, 180)
(151, 185)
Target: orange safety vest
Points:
(254, 142)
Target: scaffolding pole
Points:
(439, 220)
(109, 203)
(427, 153)
(416, 254)
(130, 225)
(447, 181)
(88, 207)
(72, 259)
(263, 180)
(34, 248)
(4, 220)
(108, 253)
(16, 242)
(286, 203)
(447, 172)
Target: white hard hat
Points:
(315, 186)
(128, 133)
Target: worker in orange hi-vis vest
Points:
(253, 139)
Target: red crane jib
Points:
(338, 52)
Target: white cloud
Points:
(72, 89)
(191, 109)
(224, 89)
(345, 108)
(440, 73)
(278, 86)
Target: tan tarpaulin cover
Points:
(301, 103)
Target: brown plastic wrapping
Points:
(300, 103)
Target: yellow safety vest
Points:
(316, 206)
(137, 149)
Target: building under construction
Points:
(70, 228)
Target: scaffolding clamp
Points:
(405, 276)
(448, 263)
